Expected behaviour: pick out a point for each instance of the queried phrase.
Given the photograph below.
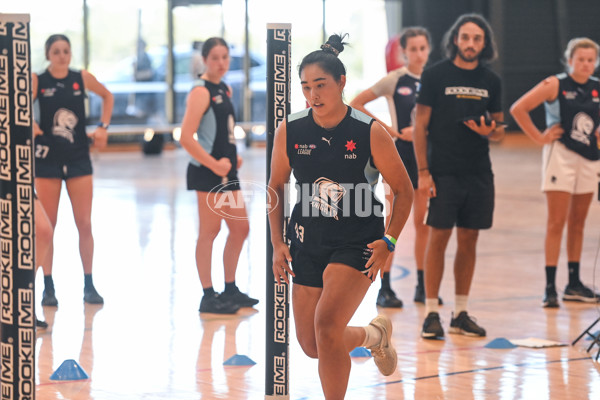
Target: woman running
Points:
(339, 243)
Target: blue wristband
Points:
(391, 246)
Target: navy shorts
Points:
(309, 266)
(202, 179)
(45, 168)
(462, 201)
(407, 154)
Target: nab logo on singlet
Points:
(350, 146)
(76, 89)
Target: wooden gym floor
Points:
(149, 342)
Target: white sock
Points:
(372, 336)
(431, 305)
(460, 304)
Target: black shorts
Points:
(407, 154)
(462, 201)
(309, 267)
(202, 179)
(45, 168)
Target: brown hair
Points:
(489, 50)
(54, 38)
(213, 42)
(413, 31)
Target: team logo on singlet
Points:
(583, 127)
(404, 91)
(569, 94)
(327, 195)
(218, 99)
(64, 124)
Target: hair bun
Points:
(334, 45)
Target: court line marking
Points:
(505, 366)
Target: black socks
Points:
(550, 275)
(87, 281)
(420, 278)
(48, 283)
(573, 273)
(385, 281)
(230, 287)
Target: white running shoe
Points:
(384, 353)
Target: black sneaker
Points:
(432, 327)
(239, 298)
(49, 298)
(550, 298)
(217, 305)
(420, 296)
(91, 296)
(387, 298)
(41, 324)
(464, 325)
(580, 292)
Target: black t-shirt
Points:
(454, 93)
(335, 177)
